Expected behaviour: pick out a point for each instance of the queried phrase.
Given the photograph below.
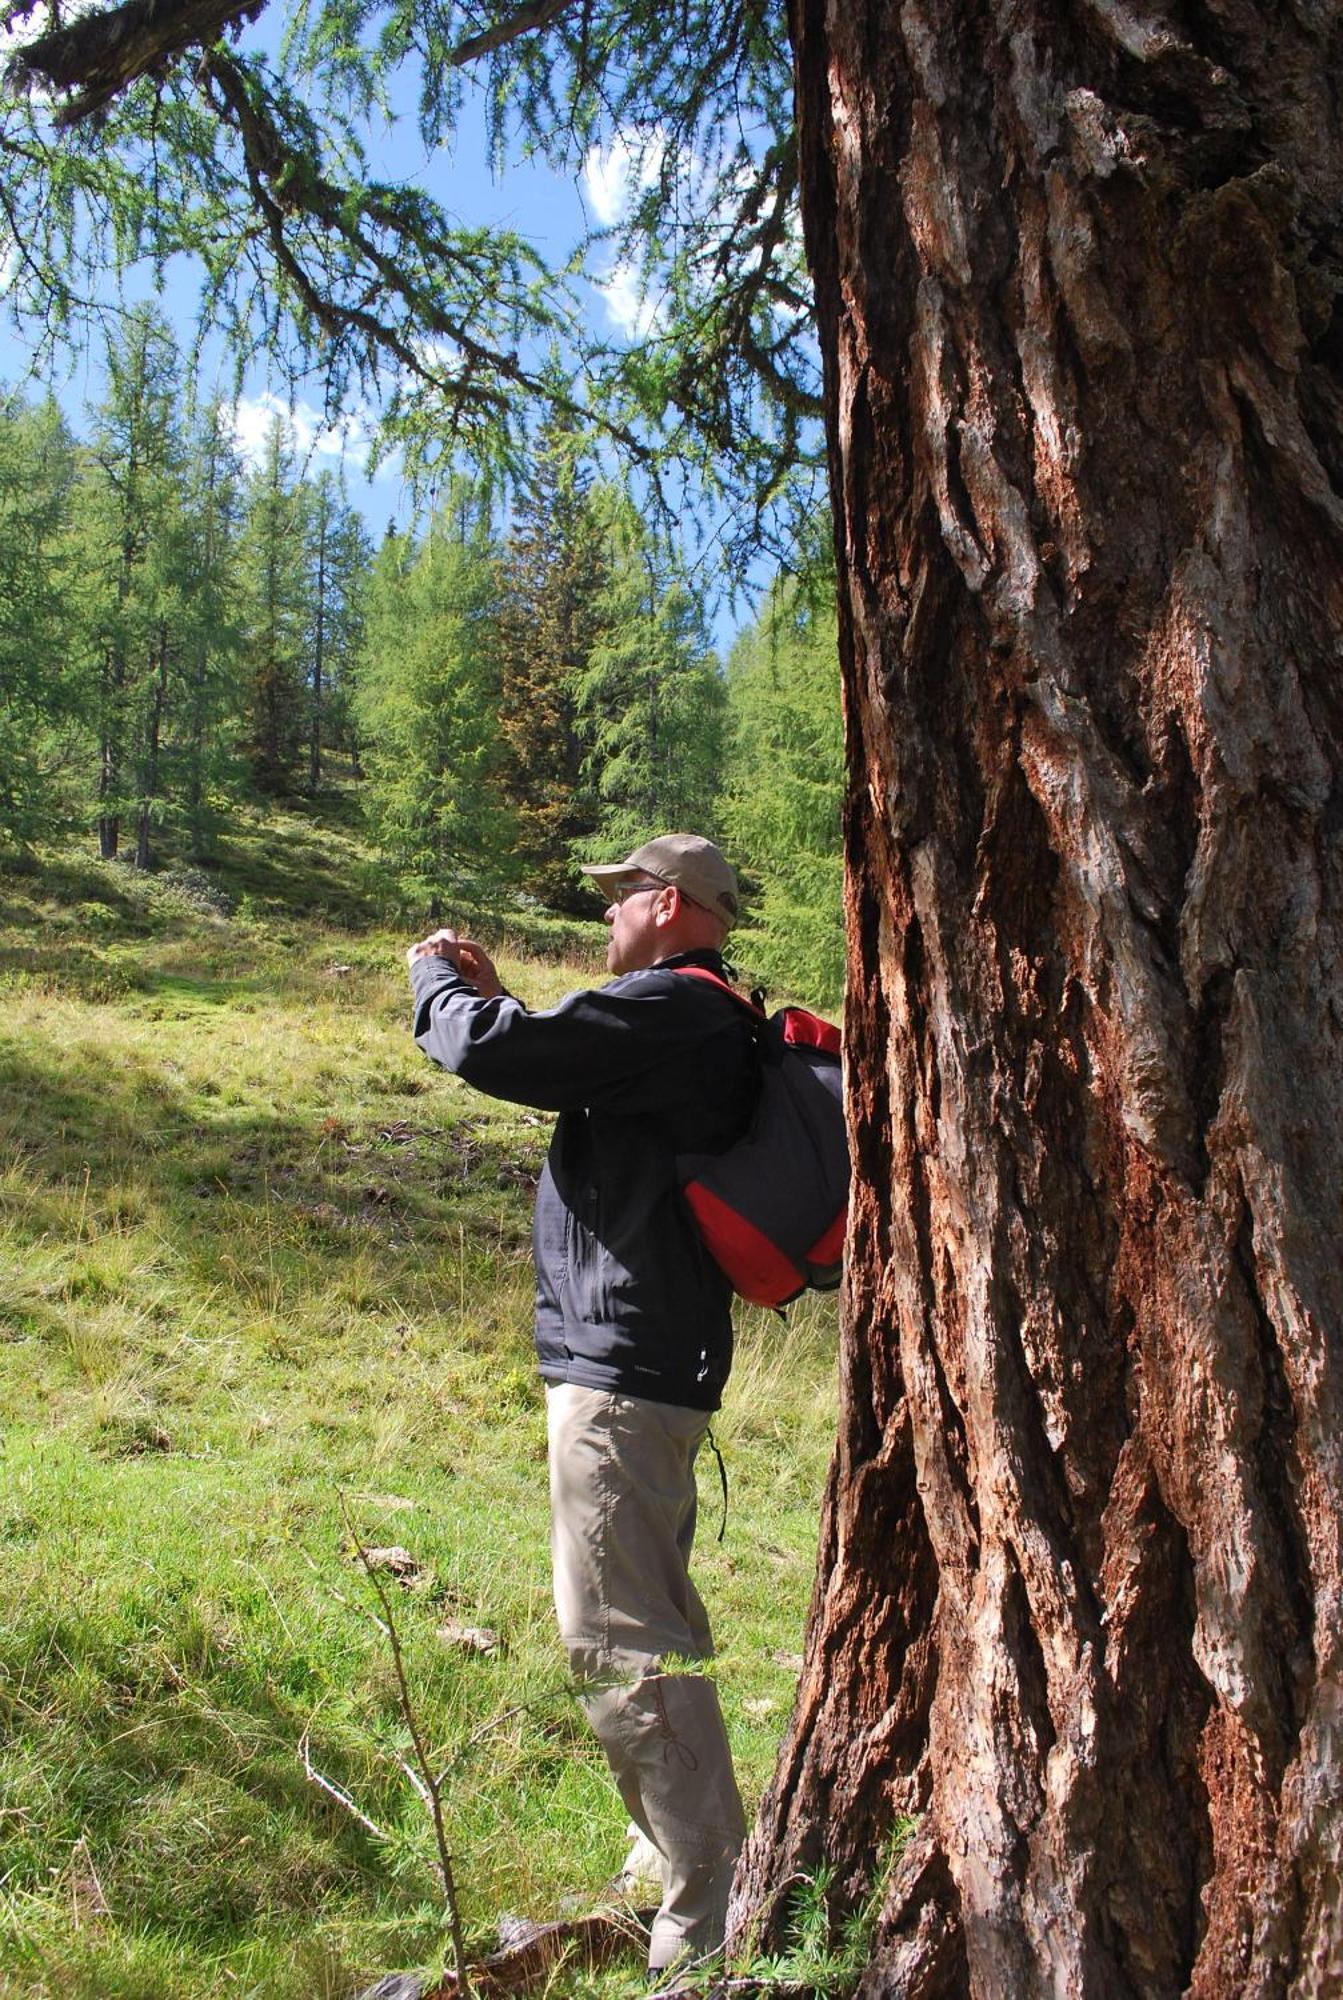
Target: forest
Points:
(511, 689)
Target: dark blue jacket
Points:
(627, 1297)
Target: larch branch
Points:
(525, 20)
(100, 54)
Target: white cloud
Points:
(614, 179)
(345, 442)
(615, 176)
(634, 311)
(442, 357)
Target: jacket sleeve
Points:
(618, 1046)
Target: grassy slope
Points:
(255, 1254)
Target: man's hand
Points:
(439, 944)
(474, 963)
(471, 960)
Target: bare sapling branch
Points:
(430, 1790)
(333, 1790)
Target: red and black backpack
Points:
(772, 1208)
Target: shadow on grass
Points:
(218, 1184)
(152, 1732)
(298, 856)
(68, 879)
(151, 1754)
(311, 870)
(149, 1707)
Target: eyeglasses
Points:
(624, 890)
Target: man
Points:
(633, 1326)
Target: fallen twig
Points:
(592, 1942)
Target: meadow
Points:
(264, 1279)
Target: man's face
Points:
(636, 937)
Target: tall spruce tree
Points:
(353, 560)
(426, 705)
(551, 576)
(784, 785)
(276, 608)
(130, 521)
(207, 764)
(338, 554)
(649, 698)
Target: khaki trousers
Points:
(622, 1499)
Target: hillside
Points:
(261, 1262)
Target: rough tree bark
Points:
(1079, 1602)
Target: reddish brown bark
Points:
(1080, 1596)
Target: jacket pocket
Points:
(585, 1285)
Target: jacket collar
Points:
(712, 960)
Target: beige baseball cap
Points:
(685, 860)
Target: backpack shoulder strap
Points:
(715, 979)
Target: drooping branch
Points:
(394, 234)
(753, 248)
(526, 20)
(99, 55)
(304, 254)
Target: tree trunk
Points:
(204, 638)
(1080, 1592)
(318, 651)
(113, 681)
(144, 853)
(194, 802)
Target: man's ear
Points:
(668, 906)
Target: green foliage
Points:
(781, 807)
(131, 527)
(823, 1955)
(551, 574)
(427, 700)
(649, 698)
(42, 692)
(175, 633)
(259, 168)
(275, 614)
(524, 710)
(205, 767)
(338, 555)
(159, 614)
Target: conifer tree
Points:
(130, 507)
(42, 690)
(649, 698)
(551, 576)
(427, 701)
(211, 713)
(781, 806)
(275, 615)
(353, 558)
(337, 551)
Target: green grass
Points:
(257, 1255)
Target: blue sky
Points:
(552, 211)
